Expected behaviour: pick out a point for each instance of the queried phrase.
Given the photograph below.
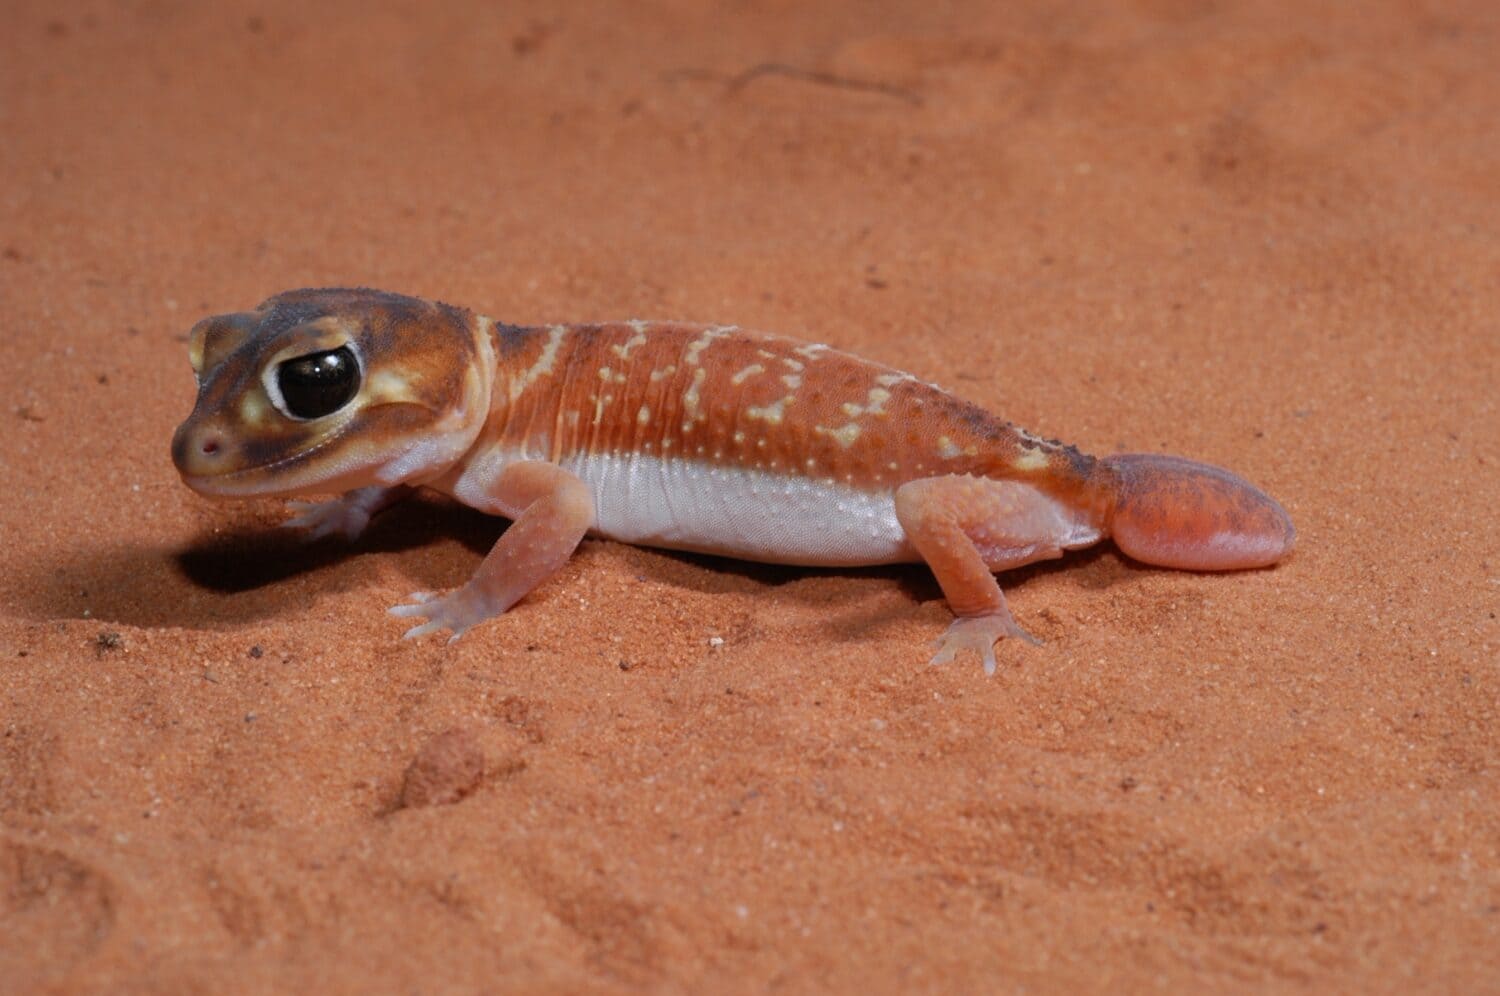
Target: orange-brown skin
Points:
(695, 437)
(723, 395)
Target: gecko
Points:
(705, 438)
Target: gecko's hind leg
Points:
(966, 528)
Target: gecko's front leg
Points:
(347, 515)
(553, 510)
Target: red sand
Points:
(1262, 235)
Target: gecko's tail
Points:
(1179, 513)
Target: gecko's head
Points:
(327, 390)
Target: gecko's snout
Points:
(198, 451)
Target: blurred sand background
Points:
(1265, 235)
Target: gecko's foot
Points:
(327, 518)
(979, 633)
(456, 611)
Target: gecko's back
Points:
(716, 439)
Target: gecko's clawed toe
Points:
(978, 633)
(415, 605)
(325, 518)
(455, 612)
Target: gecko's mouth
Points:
(212, 463)
(222, 485)
(272, 480)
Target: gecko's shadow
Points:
(226, 579)
(858, 614)
(229, 578)
(253, 557)
(913, 579)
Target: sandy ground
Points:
(1265, 235)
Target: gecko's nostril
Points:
(210, 446)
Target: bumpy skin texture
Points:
(691, 437)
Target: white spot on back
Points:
(623, 350)
(544, 363)
(948, 449)
(745, 374)
(600, 403)
(1031, 460)
(704, 340)
(771, 413)
(844, 435)
(874, 403)
(691, 397)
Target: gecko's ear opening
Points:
(215, 338)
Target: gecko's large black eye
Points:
(318, 384)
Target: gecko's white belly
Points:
(751, 514)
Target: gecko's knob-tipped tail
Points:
(1179, 513)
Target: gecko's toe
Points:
(454, 611)
(318, 519)
(945, 653)
(415, 605)
(306, 518)
(979, 633)
(421, 630)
